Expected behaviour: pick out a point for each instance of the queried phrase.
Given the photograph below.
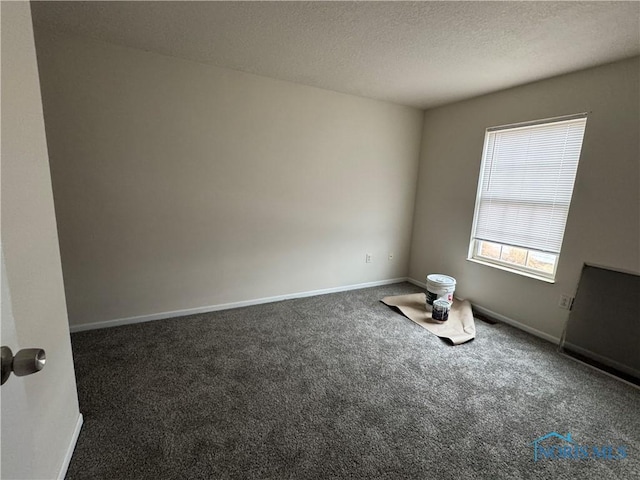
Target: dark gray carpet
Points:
(337, 386)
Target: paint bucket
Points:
(440, 310)
(440, 287)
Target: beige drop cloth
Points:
(459, 328)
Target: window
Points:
(524, 193)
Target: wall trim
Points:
(501, 318)
(72, 446)
(227, 306)
(514, 323)
(417, 283)
(311, 293)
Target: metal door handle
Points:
(25, 362)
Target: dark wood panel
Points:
(604, 323)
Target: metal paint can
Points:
(440, 310)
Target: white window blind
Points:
(526, 183)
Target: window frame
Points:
(475, 243)
(474, 256)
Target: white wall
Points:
(604, 220)
(180, 185)
(39, 412)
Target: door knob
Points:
(25, 362)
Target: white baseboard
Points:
(226, 306)
(514, 323)
(72, 445)
(417, 283)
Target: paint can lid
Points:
(439, 279)
(442, 304)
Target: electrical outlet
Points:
(566, 301)
(391, 256)
(368, 258)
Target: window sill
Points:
(512, 270)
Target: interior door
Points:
(15, 419)
(39, 413)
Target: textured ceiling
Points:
(413, 53)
